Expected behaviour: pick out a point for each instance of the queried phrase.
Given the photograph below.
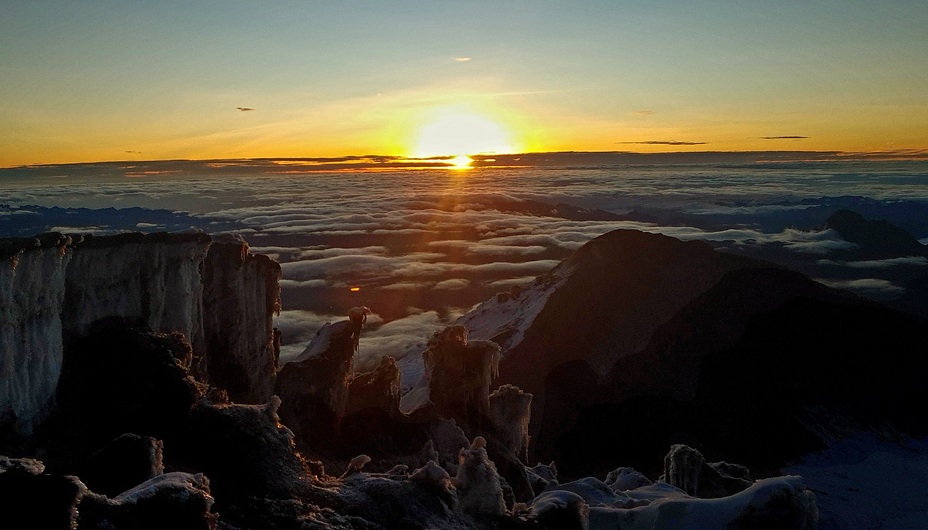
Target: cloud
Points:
(244, 109)
(503, 250)
(401, 338)
(509, 282)
(784, 137)
(407, 286)
(664, 142)
(296, 284)
(453, 284)
(298, 327)
(462, 59)
(644, 112)
(878, 264)
(865, 286)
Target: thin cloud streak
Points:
(663, 142)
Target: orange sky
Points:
(91, 81)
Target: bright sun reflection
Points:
(458, 133)
(461, 162)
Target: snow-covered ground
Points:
(868, 483)
(505, 317)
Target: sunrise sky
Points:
(97, 80)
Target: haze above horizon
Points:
(104, 81)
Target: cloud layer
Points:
(419, 246)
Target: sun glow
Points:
(459, 133)
(461, 162)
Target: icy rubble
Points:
(478, 483)
(781, 502)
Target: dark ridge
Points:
(91, 241)
(12, 246)
(877, 239)
(758, 383)
(624, 285)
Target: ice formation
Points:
(457, 375)
(314, 387)
(52, 289)
(153, 279)
(510, 411)
(687, 469)
(241, 295)
(378, 389)
(478, 483)
(32, 289)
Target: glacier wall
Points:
(53, 289)
(154, 279)
(32, 287)
(241, 295)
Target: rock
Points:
(379, 389)
(875, 239)
(174, 500)
(314, 388)
(125, 462)
(687, 469)
(32, 499)
(118, 379)
(244, 449)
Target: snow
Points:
(321, 341)
(866, 482)
(189, 485)
(775, 496)
(626, 478)
(505, 318)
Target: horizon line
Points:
(488, 160)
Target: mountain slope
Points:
(640, 341)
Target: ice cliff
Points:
(32, 288)
(53, 287)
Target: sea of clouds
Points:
(422, 247)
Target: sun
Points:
(457, 133)
(461, 162)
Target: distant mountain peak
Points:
(876, 238)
